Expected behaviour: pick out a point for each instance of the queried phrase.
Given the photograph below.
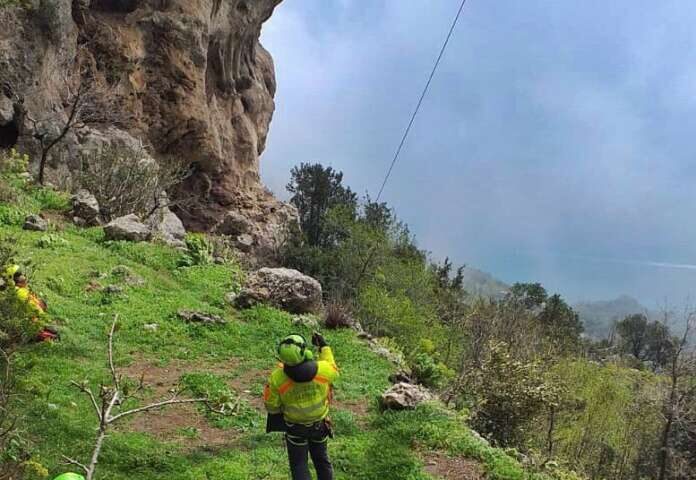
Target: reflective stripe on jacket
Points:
(302, 402)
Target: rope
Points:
(420, 100)
(410, 124)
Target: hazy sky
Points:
(557, 143)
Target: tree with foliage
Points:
(315, 191)
(530, 294)
(561, 323)
(633, 332)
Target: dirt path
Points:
(446, 467)
(185, 424)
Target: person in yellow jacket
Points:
(300, 389)
(14, 278)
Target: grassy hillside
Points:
(86, 281)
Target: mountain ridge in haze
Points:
(599, 316)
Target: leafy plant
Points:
(428, 371)
(51, 240)
(508, 395)
(199, 251)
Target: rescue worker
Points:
(14, 278)
(300, 390)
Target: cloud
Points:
(550, 126)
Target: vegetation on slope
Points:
(86, 281)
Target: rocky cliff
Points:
(187, 78)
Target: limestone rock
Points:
(244, 242)
(191, 316)
(6, 111)
(128, 228)
(400, 376)
(35, 223)
(85, 208)
(283, 288)
(113, 289)
(166, 226)
(191, 78)
(404, 396)
(305, 320)
(234, 224)
(231, 298)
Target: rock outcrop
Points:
(283, 288)
(403, 396)
(188, 77)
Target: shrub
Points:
(49, 199)
(50, 241)
(337, 316)
(127, 181)
(13, 162)
(199, 251)
(428, 371)
(509, 395)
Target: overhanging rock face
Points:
(190, 78)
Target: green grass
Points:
(57, 419)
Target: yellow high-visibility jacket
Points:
(302, 402)
(37, 305)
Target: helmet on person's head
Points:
(293, 350)
(11, 271)
(69, 476)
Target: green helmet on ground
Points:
(293, 350)
(69, 476)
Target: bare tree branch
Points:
(89, 393)
(74, 462)
(153, 406)
(114, 375)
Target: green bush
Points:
(199, 251)
(430, 372)
(49, 199)
(508, 396)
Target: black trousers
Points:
(302, 440)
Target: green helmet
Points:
(69, 476)
(293, 350)
(10, 272)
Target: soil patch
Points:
(184, 424)
(446, 467)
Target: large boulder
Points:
(403, 396)
(283, 288)
(166, 226)
(128, 228)
(85, 208)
